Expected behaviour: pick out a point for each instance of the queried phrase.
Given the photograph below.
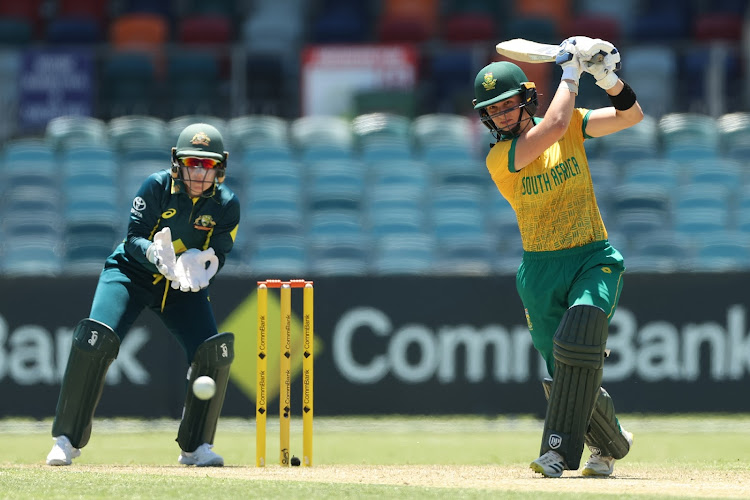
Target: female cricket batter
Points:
(570, 276)
(185, 211)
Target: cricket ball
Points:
(295, 461)
(204, 387)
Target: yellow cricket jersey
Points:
(553, 196)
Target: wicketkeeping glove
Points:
(161, 253)
(195, 269)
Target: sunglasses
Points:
(206, 163)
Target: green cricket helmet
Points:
(499, 81)
(200, 140)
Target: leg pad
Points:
(94, 348)
(579, 346)
(604, 429)
(199, 418)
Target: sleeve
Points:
(144, 219)
(225, 232)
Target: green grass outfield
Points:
(696, 456)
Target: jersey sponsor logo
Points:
(169, 213)
(204, 223)
(554, 441)
(139, 204)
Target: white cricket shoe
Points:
(62, 452)
(599, 466)
(551, 464)
(203, 456)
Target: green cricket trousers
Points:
(551, 282)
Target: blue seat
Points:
(455, 197)
(726, 172)
(396, 197)
(640, 207)
(455, 223)
(383, 150)
(322, 131)
(465, 171)
(274, 174)
(273, 212)
(64, 132)
(432, 129)
(401, 220)
(333, 223)
(648, 67)
(404, 255)
(273, 254)
(41, 225)
(97, 204)
(248, 131)
(467, 255)
(32, 256)
(257, 155)
(86, 255)
(336, 186)
(723, 251)
(638, 142)
(375, 127)
(397, 173)
(688, 129)
(138, 132)
(656, 171)
(33, 200)
(340, 255)
(662, 244)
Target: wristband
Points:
(624, 100)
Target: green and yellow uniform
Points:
(567, 259)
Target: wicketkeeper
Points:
(183, 222)
(570, 276)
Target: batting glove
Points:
(604, 71)
(569, 61)
(589, 48)
(161, 253)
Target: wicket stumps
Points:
(285, 370)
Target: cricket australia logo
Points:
(489, 81)
(554, 441)
(94, 337)
(204, 223)
(224, 351)
(201, 138)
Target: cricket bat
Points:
(520, 49)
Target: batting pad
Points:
(94, 348)
(578, 349)
(199, 417)
(604, 429)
